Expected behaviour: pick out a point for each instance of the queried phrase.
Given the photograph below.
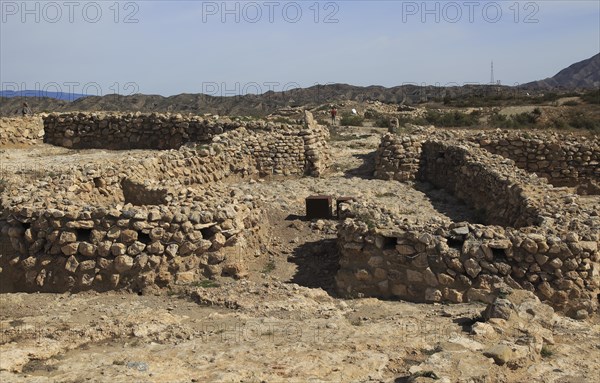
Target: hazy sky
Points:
(222, 48)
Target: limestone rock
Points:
(500, 308)
(501, 353)
(123, 263)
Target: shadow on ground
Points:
(449, 205)
(366, 169)
(318, 263)
(296, 217)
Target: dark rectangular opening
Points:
(144, 238)
(456, 242)
(318, 206)
(499, 254)
(83, 235)
(389, 243)
(208, 232)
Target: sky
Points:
(221, 48)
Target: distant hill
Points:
(41, 94)
(582, 75)
(585, 74)
(258, 105)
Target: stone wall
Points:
(398, 157)
(493, 186)
(103, 226)
(267, 148)
(21, 131)
(131, 247)
(164, 176)
(130, 131)
(563, 160)
(470, 174)
(546, 242)
(465, 262)
(151, 218)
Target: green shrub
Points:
(580, 121)
(453, 119)
(550, 96)
(351, 120)
(546, 352)
(526, 118)
(269, 267)
(517, 121)
(400, 130)
(411, 120)
(559, 124)
(497, 119)
(382, 122)
(592, 97)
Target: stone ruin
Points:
(130, 131)
(564, 160)
(534, 236)
(18, 131)
(147, 220)
(169, 218)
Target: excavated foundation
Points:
(537, 237)
(147, 220)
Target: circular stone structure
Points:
(148, 218)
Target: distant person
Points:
(26, 111)
(333, 115)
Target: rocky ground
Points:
(283, 323)
(272, 331)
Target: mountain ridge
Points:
(584, 74)
(581, 75)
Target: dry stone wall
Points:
(126, 246)
(490, 184)
(465, 262)
(540, 238)
(268, 148)
(130, 131)
(563, 160)
(21, 131)
(96, 228)
(150, 178)
(398, 157)
(150, 219)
